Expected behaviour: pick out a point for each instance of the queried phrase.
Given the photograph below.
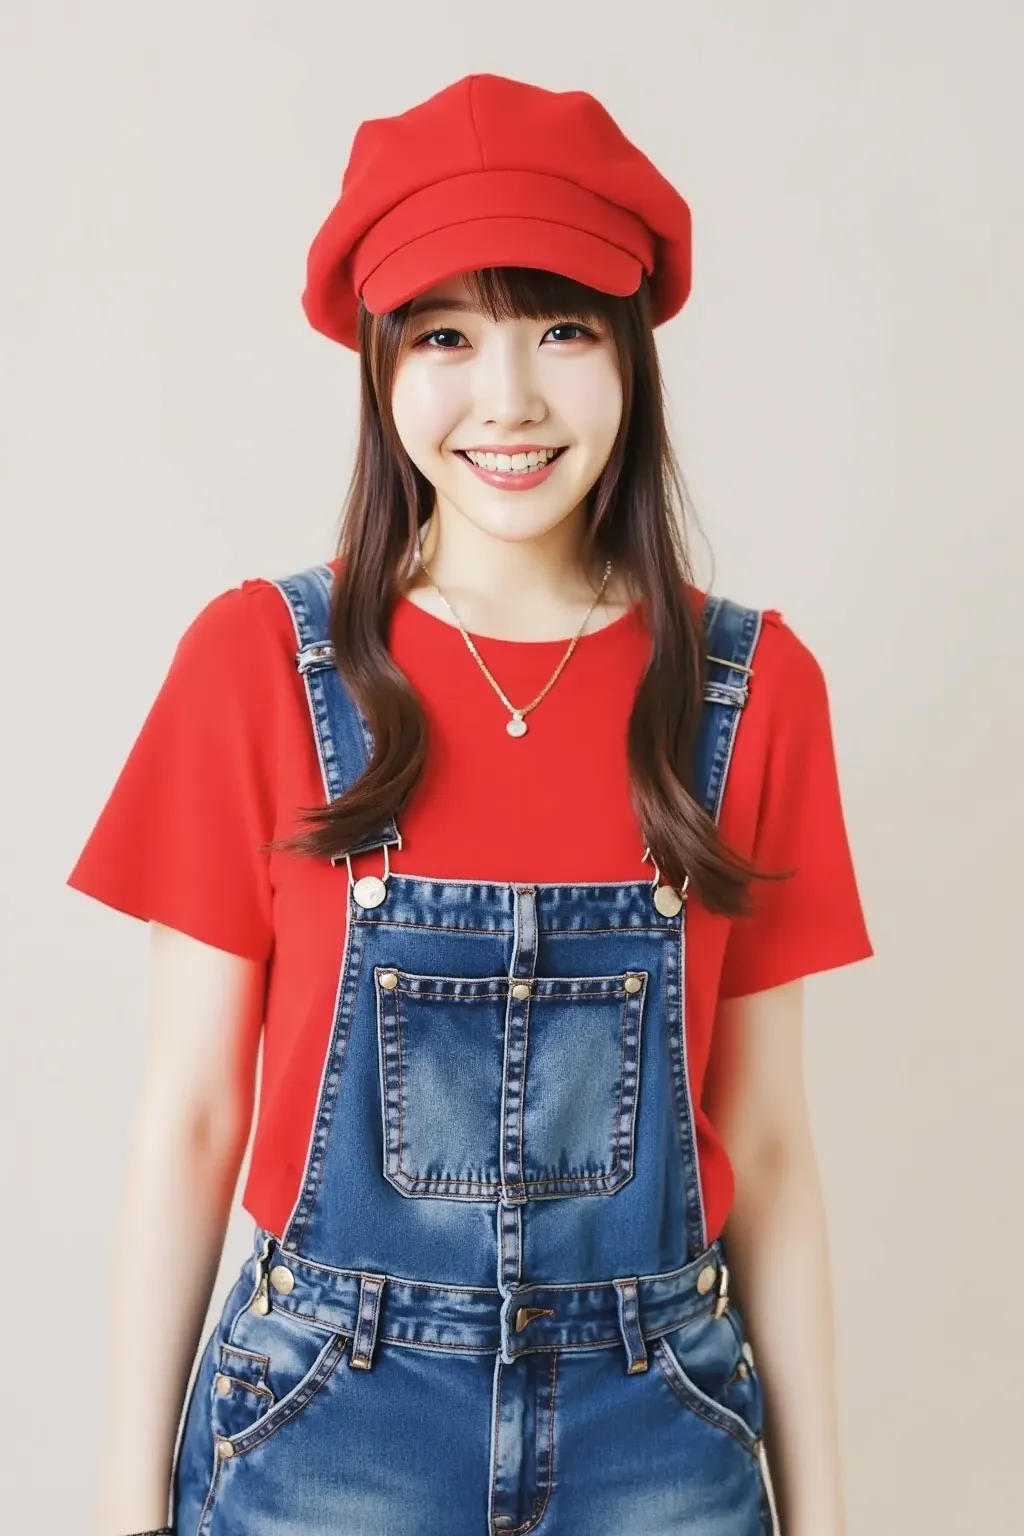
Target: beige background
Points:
(844, 387)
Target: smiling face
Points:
(510, 420)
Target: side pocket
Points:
(286, 1362)
(709, 1365)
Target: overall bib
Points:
(494, 1309)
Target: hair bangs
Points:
(531, 293)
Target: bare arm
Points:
(776, 1238)
(190, 1132)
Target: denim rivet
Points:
(632, 983)
(370, 891)
(743, 1370)
(706, 1279)
(521, 990)
(282, 1279)
(225, 1450)
(223, 1384)
(389, 980)
(668, 900)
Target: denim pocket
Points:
(289, 1360)
(709, 1365)
(239, 1393)
(482, 1090)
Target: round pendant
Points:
(370, 891)
(668, 900)
(516, 726)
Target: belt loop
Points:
(627, 1301)
(364, 1339)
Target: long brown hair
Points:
(636, 514)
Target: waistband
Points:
(374, 1308)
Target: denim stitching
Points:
(538, 1509)
(705, 1407)
(305, 1390)
(382, 924)
(334, 1067)
(607, 1182)
(207, 1509)
(249, 1386)
(249, 1354)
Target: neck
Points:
(537, 589)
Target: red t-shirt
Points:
(226, 755)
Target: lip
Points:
(508, 448)
(509, 480)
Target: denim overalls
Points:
(494, 1309)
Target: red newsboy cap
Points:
(494, 172)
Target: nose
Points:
(505, 380)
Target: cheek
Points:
(425, 407)
(593, 402)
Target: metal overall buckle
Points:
(370, 890)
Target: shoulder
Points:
(780, 653)
(788, 683)
(236, 656)
(251, 613)
(785, 661)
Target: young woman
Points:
(512, 847)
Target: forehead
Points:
(452, 293)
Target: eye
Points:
(571, 325)
(444, 346)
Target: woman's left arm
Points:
(776, 1242)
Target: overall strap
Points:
(732, 633)
(343, 738)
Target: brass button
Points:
(706, 1279)
(632, 983)
(223, 1384)
(521, 990)
(389, 980)
(668, 900)
(282, 1279)
(225, 1450)
(370, 891)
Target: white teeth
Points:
(514, 464)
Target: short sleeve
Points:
(814, 920)
(178, 839)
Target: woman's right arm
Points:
(190, 1133)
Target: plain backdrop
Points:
(845, 394)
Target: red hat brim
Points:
(506, 242)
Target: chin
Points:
(511, 519)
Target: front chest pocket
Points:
(483, 1091)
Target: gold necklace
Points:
(517, 725)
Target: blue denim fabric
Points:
(494, 1309)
